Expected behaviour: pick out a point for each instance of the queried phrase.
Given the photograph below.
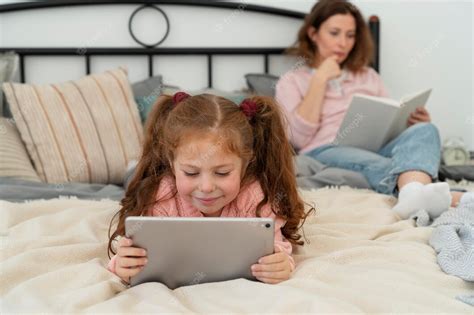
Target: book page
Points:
(407, 106)
(367, 122)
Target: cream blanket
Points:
(359, 259)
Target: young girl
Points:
(205, 156)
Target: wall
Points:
(423, 44)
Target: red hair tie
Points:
(248, 107)
(180, 96)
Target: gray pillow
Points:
(261, 83)
(9, 63)
(145, 93)
(147, 87)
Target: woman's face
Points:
(336, 36)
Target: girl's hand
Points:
(130, 260)
(273, 268)
(329, 69)
(419, 115)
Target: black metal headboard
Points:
(152, 50)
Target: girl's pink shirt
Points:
(243, 206)
(292, 88)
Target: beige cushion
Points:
(79, 131)
(14, 160)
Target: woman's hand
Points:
(419, 115)
(329, 69)
(273, 268)
(130, 260)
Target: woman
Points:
(336, 47)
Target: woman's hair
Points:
(362, 52)
(260, 141)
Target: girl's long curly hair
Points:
(261, 142)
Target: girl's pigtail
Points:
(273, 165)
(152, 167)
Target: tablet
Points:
(187, 251)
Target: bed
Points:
(359, 256)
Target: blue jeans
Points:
(418, 148)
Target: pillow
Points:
(14, 160)
(147, 87)
(262, 84)
(146, 101)
(145, 93)
(9, 63)
(79, 131)
(235, 97)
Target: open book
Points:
(371, 122)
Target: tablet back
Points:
(187, 251)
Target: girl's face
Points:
(336, 36)
(207, 176)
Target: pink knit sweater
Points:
(292, 88)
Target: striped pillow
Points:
(14, 160)
(79, 131)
